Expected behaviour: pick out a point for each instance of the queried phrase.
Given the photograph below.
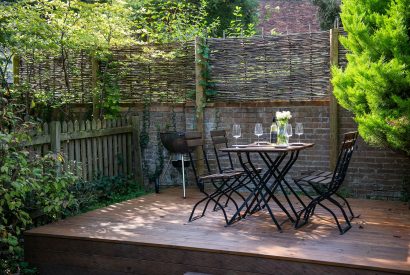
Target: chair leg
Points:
(229, 196)
(310, 209)
(336, 203)
(219, 192)
(208, 198)
(196, 205)
(352, 216)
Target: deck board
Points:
(154, 229)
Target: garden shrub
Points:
(34, 192)
(375, 85)
(105, 190)
(31, 190)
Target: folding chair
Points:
(225, 163)
(326, 185)
(223, 182)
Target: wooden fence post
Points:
(16, 70)
(55, 141)
(136, 149)
(333, 106)
(199, 99)
(94, 86)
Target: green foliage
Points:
(169, 21)
(225, 12)
(328, 11)
(63, 29)
(209, 86)
(237, 26)
(104, 190)
(31, 191)
(375, 85)
(108, 91)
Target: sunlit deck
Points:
(151, 235)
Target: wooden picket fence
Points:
(93, 148)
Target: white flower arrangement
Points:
(285, 115)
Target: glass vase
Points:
(282, 137)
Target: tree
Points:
(328, 11)
(237, 27)
(225, 12)
(62, 29)
(375, 85)
(167, 21)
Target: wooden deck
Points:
(151, 235)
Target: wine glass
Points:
(236, 133)
(289, 131)
(299, 130)
(258, 130)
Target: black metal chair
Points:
(326, 185)
(225, 163)
(223, 182)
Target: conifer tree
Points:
(375, 85)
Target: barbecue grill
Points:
(177, 146)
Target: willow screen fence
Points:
(46, 74)
(158, 73)
(292, 67)
(273, 67)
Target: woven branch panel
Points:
(342, 51)
(48, 75)
(294, 66)
(268, 68)
(160, 73)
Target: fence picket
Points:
(100, 167)
(94, 148)
(109, 149)
(115, 149)
(105, 150)
(70, 158)
(89, 152)
(83, 153)
(129, 148)
(119, 150)
(46, 147)
(124, 148)
(64, 145)
(77, 150)
(97, 147)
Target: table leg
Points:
(280, 177)
(252, 196)
(270, 192)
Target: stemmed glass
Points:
(299, 130)
(236, 133)
(258, 130)
(289, 131)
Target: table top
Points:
(267, 148)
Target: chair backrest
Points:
(220, 140)
(343, 160)
(194, 140)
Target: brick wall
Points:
(373, 173)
